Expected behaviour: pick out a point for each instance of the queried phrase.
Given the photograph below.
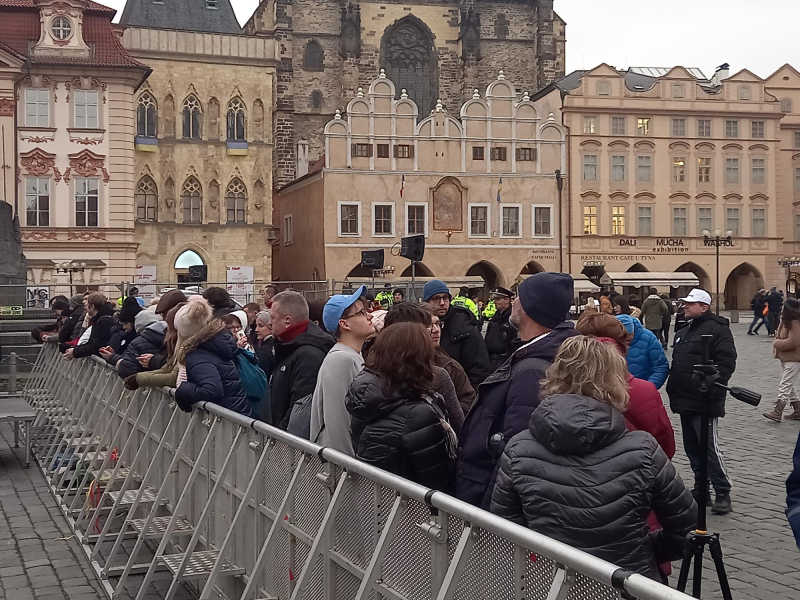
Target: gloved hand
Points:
(131, 383)
(183, 404)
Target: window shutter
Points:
(516, 153)
(395, 150)
(370, 150)
(410, 151)
(352, 150)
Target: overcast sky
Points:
(760, 36)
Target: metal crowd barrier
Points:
(210, 504)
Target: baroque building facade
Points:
(432, 49)
(66, 104)
(479, 184)
(203, 161)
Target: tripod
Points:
(705, 375)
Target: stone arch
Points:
(313, 56)
(188, 257)
(741, 285)
(420, 270)
(637, 268)
(316, 100)
(531, 268)
(359, 272)
(492, 276)
(410, 59)
(702, 277)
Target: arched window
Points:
(316, 100)
(192, 201)
(313, 57)
(146, 199)
(236, 120)
(411, 62)
(191, 118)
(188, 258)
(146, 116)
(236, 201)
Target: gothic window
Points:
(316, 100)
(313, 57)
(146, 116)
(192, 201)
(236, 120)
(146, 199)
(236, 201)
(191, 118)
(410, 60)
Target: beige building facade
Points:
(66, 116)
(657, 159)
(479, 183)
(203, 161)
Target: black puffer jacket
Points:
(211, 373)
(151, 341)
(464, 343)
(684, 397)
(500, 338)
(69, 331)
(102, 324)
(398, 433)
(579, 476)
(297, 365)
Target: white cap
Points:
(698, 295)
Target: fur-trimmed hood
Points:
(207, 333)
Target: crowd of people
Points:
(554, 424)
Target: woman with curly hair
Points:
(579, 476)
(398, 421)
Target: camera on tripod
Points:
(706, 375)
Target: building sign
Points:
(240, 283)
(722, 242)
(616, 257)
(670, 246)
(10, 311)
(627, 242)
(37, 297)
(544, 254)
(145, 279)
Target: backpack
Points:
(300, 418)
(254, 380)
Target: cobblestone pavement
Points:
(760, 554)
(39, 558)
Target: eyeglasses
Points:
(362, 312)
(434, 327)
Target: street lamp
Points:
(717, 240)
(787, 262)
(560, 187)
(70, 267)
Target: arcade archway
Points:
(532, 268)
(741, 285)
(490, 274)
(359, 272)
(702, 277)
(420, 270)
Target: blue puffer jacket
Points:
(646, 358)
(150, 341)
(211, 373)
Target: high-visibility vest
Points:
(466, 303)
(385, 299)
(490, 310)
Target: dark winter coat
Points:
(579, 476)
(399, 433)
(102, 324)
(211, 373)
(464, 343)
(758, 303)
(69, 330)
(793, 495)
(500, 336)
(297, 365)
(150, 341)
(775, 303)
(684, 397)
(265, 353)
(119, 342)
(646, 412)
(503, 408)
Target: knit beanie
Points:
(130, 308)
(546, 298)
(144, 319)
(264, 317)
(190, 319)
(168, 300)
(75, 301)
(433, 287)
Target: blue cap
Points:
(627, 321)
(335, 307)
(433, 287)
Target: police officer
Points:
(464, 301)
(500, 334)
(385, 298)
(490, 310)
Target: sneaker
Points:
(696, 496)
(722, 505)
(751, 333)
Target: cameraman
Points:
(686, 400)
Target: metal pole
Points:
(717, 244)
(12, 374)
(414, 287)
(560, 186)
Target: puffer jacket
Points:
(151, 341)
(646, 358)
(579, 476)
(654, 312)
(399, 433)
(786, 345)
(211, 373)
(500, 337)
(102, 324)
(297, 365)
(646, 412)
(684, 397)
(464, 343)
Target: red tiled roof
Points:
(90, 6)
(19, 30)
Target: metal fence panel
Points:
(214, 505)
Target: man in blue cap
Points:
(460, 338)
(346, 317)
(509, 396)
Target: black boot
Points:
(722, 505)
(696, 496)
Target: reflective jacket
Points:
(466, 303)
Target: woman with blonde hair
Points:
(579, 476)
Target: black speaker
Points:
(413, 247)
(372, 259)
(198, 272)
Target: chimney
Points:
(722, 72)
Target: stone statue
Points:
(13, 266)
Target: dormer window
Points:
(61, 28)
(212, 4)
